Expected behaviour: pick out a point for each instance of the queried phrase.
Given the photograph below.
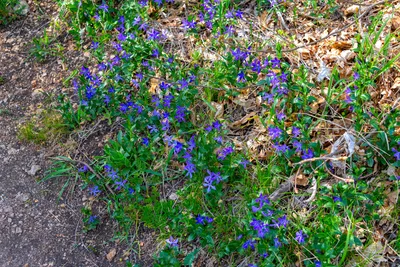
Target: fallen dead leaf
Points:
(110, 255)
(243, 120)
(342, 45)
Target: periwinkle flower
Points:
(396, 154)
(300, 237)
(188, 24)
(307, 154)
(145, 141)
(172, 242)
(274, 132)
(249, 244)
(103, 7)
(277, 243)
(94, 191)
(241, 77)
(190, 168)
(276, 63)
(296, 131)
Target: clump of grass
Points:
(42, 129)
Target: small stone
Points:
(173, 196)
(22, 197)
(22, 7)
(9, 220)
(34, 169)
(12, 151)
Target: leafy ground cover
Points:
(242, 136)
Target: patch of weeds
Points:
(45, 47)
(2, 80)
(46, 127)
(9, 11)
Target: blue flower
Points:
(241, 77)
(145, 141)
(92, 218)
(103, 7)
(94, 191)
(274, 132)
(153, 35)
(307, 154)
(172, 242)
(190, 168)
(249, 244)
(277, 243)
(300, 237)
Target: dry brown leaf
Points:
(243, 120)
(342, 45)
(219, 107)
(396, 84)
(153, 86)
(110, 255)
(301, 179)
(395, 24)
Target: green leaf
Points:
(189, 259)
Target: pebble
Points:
(34, 169)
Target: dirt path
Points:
(35, 229)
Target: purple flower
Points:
(300, 237)
(188, 24)
(191, 143)
(131, 191)
(94, 191)
(223, 153)
(229, 30)
(178, 146)
(256, 66)
(241, 77)
(274, 132)
(307, 154)
(280, 116)
(239, 55)
(264, 255)
(145, 141)
(180, 114)
(208, 128)
(280, 148)
(318, 264)
(83, 169)
(298, 145)
(249, 244)
(203, 219)
(277, 243)
(296, 131)
(172, 242)
(229, 14)
(268, 97)
(263, 199)
(244, 163)
(92, 218)
(217, 125)
(283, 221)
(96, 17)
(239, 14)
(164, 86)
(95, 45)
(218, 139)
(190, 168)
(396, 153)
(165, 125)
(356, 76)
(120, 184)
(121, 37)
(155, 53)
(337, 199)
(153, 35)
(276, 63)
(103, 7)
